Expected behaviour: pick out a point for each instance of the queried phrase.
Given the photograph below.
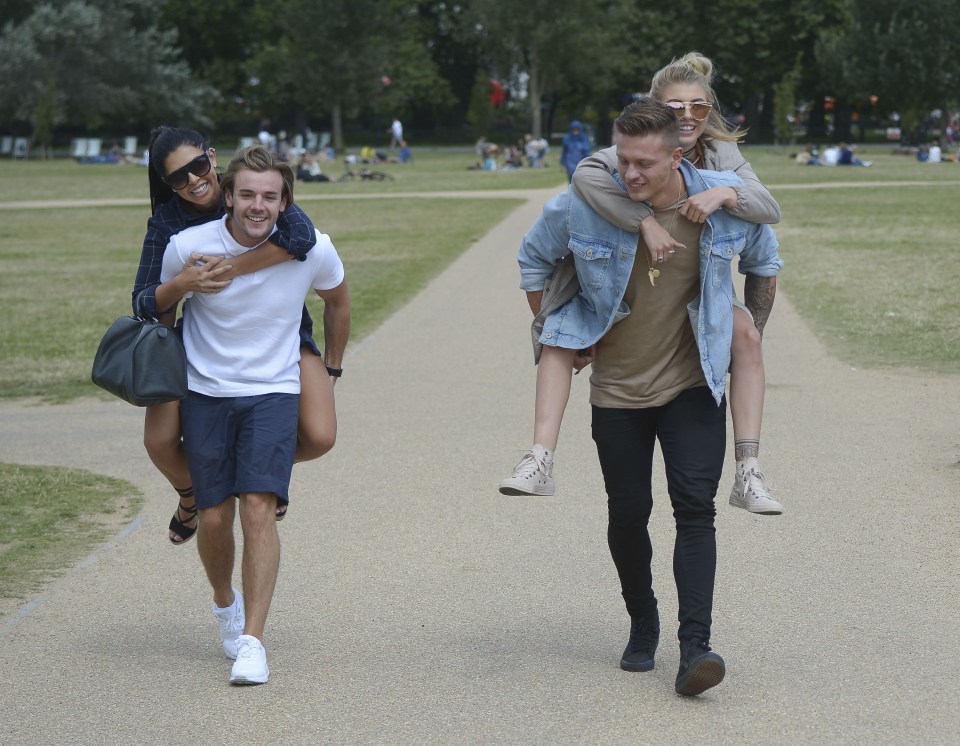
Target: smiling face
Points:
(647, 165)
(202, 192)
(690, 128)
(254, 203)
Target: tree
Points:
(78, 63)
(552, 45)
(898, 51)
(344, 57)
(755, 47)
(218, 40)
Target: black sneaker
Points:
(700, 668)
(644, 636)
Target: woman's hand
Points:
(204, 274)
(699, 207)
(583, 358)
(660, 244)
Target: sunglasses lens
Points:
(700, 111)
(199, 166)
(678, 108)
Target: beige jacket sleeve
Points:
(594, 183)
(754, 203)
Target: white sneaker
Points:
(231, 621)
(533, 475)
(750, 490)
(251, 664)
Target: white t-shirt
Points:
(244, 340)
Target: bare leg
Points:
(161, 438)
(553, 391)
(747, 384)
(215, 545)
(317, 426)
(261, 557)
(750, 490)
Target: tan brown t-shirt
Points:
(651, 356)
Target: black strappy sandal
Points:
(180, 528)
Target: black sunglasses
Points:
(199, 166)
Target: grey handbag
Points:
(142, 361)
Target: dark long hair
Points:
(163, 141)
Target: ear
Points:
(213, 156)
(676, 157)
(228, 198)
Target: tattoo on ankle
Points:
(745, 449)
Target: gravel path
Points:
(417, 605)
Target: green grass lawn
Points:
(51, 518)
(871, 264)
(431, 170)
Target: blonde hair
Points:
(695, 69)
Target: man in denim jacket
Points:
(662, 332)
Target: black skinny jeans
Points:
(692, 434)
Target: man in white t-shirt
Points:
(239, 419)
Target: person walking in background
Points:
(240, 413)
(396, 134)
(654, 378)
(185, 191)
(576, 147)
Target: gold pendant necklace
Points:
(652, 272)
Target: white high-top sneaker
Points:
(750, 490)
(533, 475)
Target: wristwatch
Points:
(335, 372)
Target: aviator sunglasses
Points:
(699, 110)
(199, 167)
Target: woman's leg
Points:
(747, 385)
(534, 474)
(317, 428)
(317, 423)
(553, 392)
(161, 438)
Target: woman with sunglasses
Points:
(709, 143)
(185, 191)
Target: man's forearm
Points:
(758, 295)
(336, 330)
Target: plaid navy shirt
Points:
(295, 233)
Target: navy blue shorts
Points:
(239, 444)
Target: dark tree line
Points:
(349, 66)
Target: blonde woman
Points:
(685, 85)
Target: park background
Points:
(789, 70)
(871, 264)
(870, 255)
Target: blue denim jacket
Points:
(604, 256)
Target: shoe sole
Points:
(249, 681)
(539, 491)
(701, 677)
(637, 667)
(763, 511)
